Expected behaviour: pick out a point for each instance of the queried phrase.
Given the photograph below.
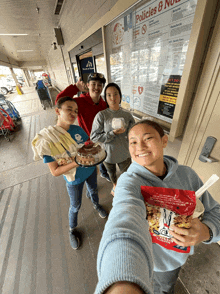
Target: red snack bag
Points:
(166, 207)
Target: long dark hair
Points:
(115, 86)
(63, 100)
(151, 123)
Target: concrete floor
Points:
(35, 255)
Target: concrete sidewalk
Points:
(35, 254)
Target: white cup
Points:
(199, 209)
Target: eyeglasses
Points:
(96, 75)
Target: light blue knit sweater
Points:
(125, 252)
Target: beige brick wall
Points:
(56, 68)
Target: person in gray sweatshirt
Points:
(127, 258)
(111, 127)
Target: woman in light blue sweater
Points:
(111, 127)
(125, 251)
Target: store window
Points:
(100, 64)
(76, 72)
(146, 50)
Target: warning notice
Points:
(168, 96)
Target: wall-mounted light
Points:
(26, 50)
(13, 34)
(54, 45)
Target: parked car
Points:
(21, 80)
(8, 85)
(2, 97)
(5, 87)
(12, 82)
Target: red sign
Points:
(140, 90)
(144, 29)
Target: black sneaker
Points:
(105, 177)
(102, 213)
(74, 241)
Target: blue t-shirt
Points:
(82, 173)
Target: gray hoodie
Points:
(125, 251)
(116, 145)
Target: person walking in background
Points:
(111, 127)
(57, 146)
(89, 104)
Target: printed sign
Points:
(168, 96)
(87, 67)
(146, 48)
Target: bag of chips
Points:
(166, 207)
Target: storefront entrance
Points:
(88, 57)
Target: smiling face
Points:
(113, 98)
(95, 89)
(146, 147)
(68, 112)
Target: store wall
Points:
(56, 68)
(79, 20)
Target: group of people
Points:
(94, 118)
(128, 261)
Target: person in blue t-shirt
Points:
(67, 111)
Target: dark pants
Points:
(111, 168)
(164, 282)
(103, 170)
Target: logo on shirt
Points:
(78, 138)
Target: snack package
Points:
(166, 207)
(118, 123)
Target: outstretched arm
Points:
(81, 86)
(125, 258)
(124, 288)
(72, 90)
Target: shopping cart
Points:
(9, 107)
(6, 124)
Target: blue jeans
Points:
(75, 194)
(103, 169)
